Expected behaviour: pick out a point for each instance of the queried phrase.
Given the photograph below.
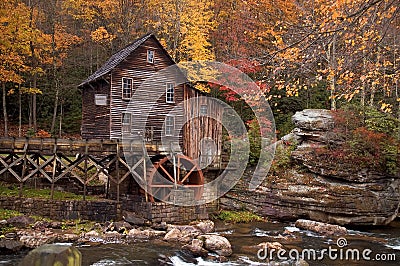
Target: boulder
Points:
(186, 232)
(47, 255)
(133, 218)
(92, 233)
(206, 226)
(196, 248)
(144, 234)
(67, 237)
(10, 246)
(121, 227)
(270, 245)
(217, 244)
(173, 235)
(321, 228)
(32, 239)
(317, 189)
(313, 120)
(21, 221)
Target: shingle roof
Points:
(115, 59)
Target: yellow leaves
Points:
(30, 90)
(101, 35)
(386, 107)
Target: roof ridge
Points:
(116, 58)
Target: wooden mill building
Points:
(140, 93)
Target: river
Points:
(368, 243)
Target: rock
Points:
(144, 234)
(10, 235)
(92, 234)
(33, 239)
(301, 262)
(112, 236)
(10, 246)
(160, 226)
(41, 225)
(173, 235)
(21, 221)
(321, 228)
(217, 244)
(270, 245)
(68, 237)
(121, 227)
(3, 222)
(133, 218)
(205, 227)
(313, 119)
(196, 248)
(53, 255)
(56, 225)
(154, 233)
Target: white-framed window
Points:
(100, 99)
(127, 87)
(169, 125)
(170, 93)
(150, 56)
(203, 109)
(126, 122)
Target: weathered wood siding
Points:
(201, 127)
(95, 118)
(135, 66)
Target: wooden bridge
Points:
(23, 160)
(28, 158)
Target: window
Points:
(100, 99)
(126, 122)
(169, 125)
(169, 96)
(203, 109)
(150, 56)
(126, 88)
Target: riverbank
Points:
(120, 243)
(243, 238)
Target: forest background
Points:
(302, 54)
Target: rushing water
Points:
(383, 241)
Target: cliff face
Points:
(321, 190)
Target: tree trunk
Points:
(53, 121)
(34, 104)
(19, 111)
(331, 57)
(5, 110)
(61, 118)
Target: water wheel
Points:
(179, 177)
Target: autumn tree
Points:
(14, 48)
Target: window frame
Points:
(100, 99)
(203, 109)
(123, 88)
(150, 59)
(169, 129)
(124, 124)
(168, 93)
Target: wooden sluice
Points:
(24, 159)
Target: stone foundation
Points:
(106, 210)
